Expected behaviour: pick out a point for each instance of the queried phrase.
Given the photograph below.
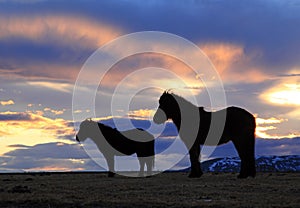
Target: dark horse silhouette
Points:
(194, 122)
(112, 142)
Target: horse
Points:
(193, 124)
(112, 142)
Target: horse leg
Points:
(195, 164)
(245, 149)
(241, 152)
(111, 165)
(149, 163)
(250, 156)
(142, 165)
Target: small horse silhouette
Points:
(112, 142)
(194, 122)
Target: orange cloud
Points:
(223, 55)
(28, 128)
(232, 63)
(141, 113)
(57, 167)
(73, 32)
(283, 94)
(265, 125)
(66, 30)
(52, 72)
(58, 86)
(8, 102)
(286, 92)
(272, 120)
(161, 70)
(55, 112)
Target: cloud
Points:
(16, 116)
(55, 150)
(67, 30)
(19, 146)
(262, 121)
(263, 147)
(57, 86)
(55, 112)
(233, 63)
(7, 102)
(266, 126)
(282, 146)
(141, 113)
(47, 157)
(289, 75)
(161, 71)
(286, 93)
(31, 128)
(40, 71)
(49, 46)
(223, 55)
(255, 26)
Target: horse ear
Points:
(169, 91)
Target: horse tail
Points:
(254, 124)
(153, 156)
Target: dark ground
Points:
(162, 190)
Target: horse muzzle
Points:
(77, 139)
(160, 117)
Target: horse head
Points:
(86, 129)
(165, 109)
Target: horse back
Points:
(142, 142)
(238, 123)
(130, 142)
(240, 119)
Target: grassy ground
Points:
(162, 190)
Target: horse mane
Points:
(103, 125)
(179, 98)
(108, 130)
(100, 125)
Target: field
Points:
(163, 190)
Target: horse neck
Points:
(95, 131)
(184, 108)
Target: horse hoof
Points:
(242, 176)
(194, 175)
(111, 174)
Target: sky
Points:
(253, 46)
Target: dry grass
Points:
(163, 190)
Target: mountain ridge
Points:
(287, 163)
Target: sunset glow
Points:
(30, 129)
(288, 94)
(45, 46)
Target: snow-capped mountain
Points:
(289, 163)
